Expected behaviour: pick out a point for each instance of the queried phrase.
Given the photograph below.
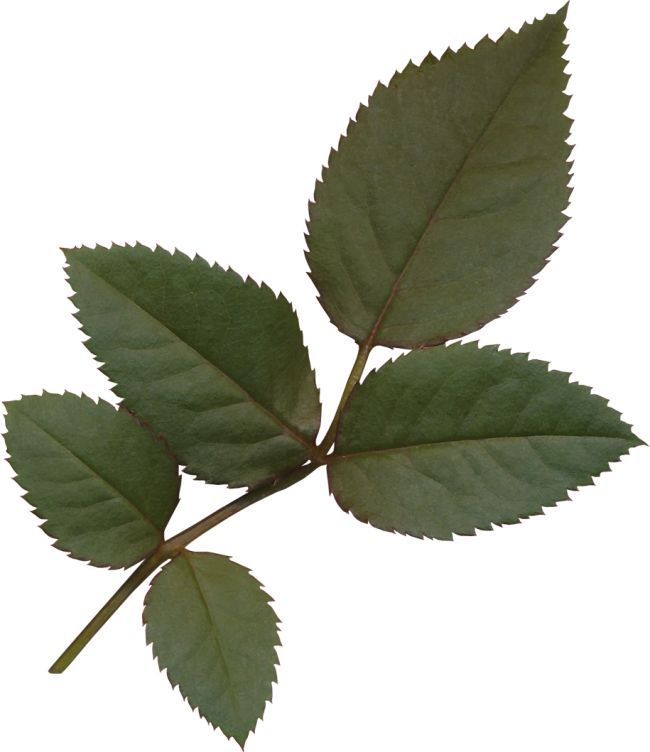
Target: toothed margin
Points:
(24, 495)
(522, 357)
(45, 522)
(190, 469)
(430, 61)
(368, 519)
(175, 684)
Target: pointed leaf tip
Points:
(478, 436)
(104, 486)
(213, 630)
(226, 378)
(417, 235)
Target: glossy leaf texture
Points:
(214, 363)
(453, 439)
(446, 196)
(212, 628)
(105, 486)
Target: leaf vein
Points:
(249, 397)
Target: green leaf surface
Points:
(105, 486)
(214, 363)
(446, 195)
(212, 628)
(456, 438)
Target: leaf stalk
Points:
(353, 379)
(168, 550)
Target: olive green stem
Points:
(172, 547)
(167, 550)
(353, 379)
(137, 577)
(175, 545)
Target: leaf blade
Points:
(213, 362)
(477, 437)
(446, 196)
(212, 628)
(105, 487)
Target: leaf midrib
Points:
(435, 214)
(437, 444)
(97, 474)
(269, 413)
(214, 632)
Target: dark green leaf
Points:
(446, 196)
(214, 631)
(455, 438)
(215, 363)
(105, 486)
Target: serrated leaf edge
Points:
(430, 58)
(175, 685)
(307, 441)
(375, 372)
(44, 521)
(367, 519)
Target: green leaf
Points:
(105, 486)
(455, 438)
(212, 628)
(215, 363)
(446, 195)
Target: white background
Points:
(203, 125)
